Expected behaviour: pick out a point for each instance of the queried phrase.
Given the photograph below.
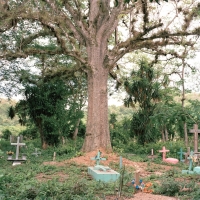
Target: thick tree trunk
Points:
(97, 131)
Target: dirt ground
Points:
(111, 159)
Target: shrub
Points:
(6, 134)
(169, 187)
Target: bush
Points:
(6, 134)
(30, 133)
(169, 187)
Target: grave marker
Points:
(18, 144)
(152, 156)
(168, 160)
(164, 150)
(120, 162)
(100, 172)
(196, 131)
(98, 158)
(181, 154)
(36, 153)
(137, 177)
(190, 158)
(17, 160)
(13, 138)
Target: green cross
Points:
(181, 154)
(98, 158)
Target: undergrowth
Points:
(72, 182)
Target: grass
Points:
(34, 180)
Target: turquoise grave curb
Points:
(105, 176)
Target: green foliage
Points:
(36, 180)
(144, 88)
(192, 112)
(46, 106)
(31, 132)
(6, 134)
(169, 187)
(11, 112)
(4, 109)
(120, 133)
(142, 128)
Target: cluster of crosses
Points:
(17, 160)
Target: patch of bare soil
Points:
(47, 177)
(114, 158)
(147, 196)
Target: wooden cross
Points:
(164, 150)
(137, 177)
(18, 144)
(152, 156)
(181, 154)
(196, 131)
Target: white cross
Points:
(17, 148)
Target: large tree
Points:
(87, 30)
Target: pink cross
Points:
(164, 152)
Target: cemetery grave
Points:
(100, 172)
(113, 160)
(17, 160)
(145, 175)
(168, 160)
(152, 156)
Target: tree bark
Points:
(166, 134)
(163, 135)
(183, 97)
(97, 131)
(42, 137)
(76, 129)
